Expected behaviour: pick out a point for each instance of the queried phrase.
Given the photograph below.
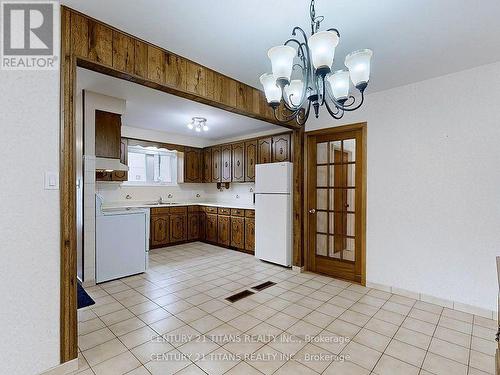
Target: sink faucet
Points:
(160, 201)
(170, 196)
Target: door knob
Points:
(312, 211)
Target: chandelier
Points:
(312, 60)
(198, 124)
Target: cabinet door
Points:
(207, 165)
(281, 148)
(223, 230)
(216, 164)
(159, 235)
(178, 228)
(226, 163)
(122, 175)
(250, 159)
(192, 165)
(211, 228)
(238, 162)
(107, 134)
(264, 150)
(203, 226)
(193, 226)
(249, 234)
(238, 232)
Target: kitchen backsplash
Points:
(237, 193)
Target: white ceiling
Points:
(152, 109)
(412, 40)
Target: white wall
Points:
(29, 223)
(433, 223)
(159, 136)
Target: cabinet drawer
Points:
(194, 208)
(237, 212)
(224, 211)
(249, 213)
(160, 211)
(178, 210)
(211, 210)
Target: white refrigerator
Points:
(273, 212)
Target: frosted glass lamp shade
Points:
(322, 46)
(339, 83)
(358, 63)
(282, 62)
(294, 92)
(190, 125)
(273, 92)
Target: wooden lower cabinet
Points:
(211, 228)
(178, 228)
(223, 230)
(193, 226)
(160, 230)
(232, 228)
(238, 232)
(250, 234)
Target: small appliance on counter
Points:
(122, 241)
(273, 212)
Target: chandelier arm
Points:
(349, 107)
(334, 30)
(301, 31)
(335, 115)
(301, 120)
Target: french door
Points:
(336, 191)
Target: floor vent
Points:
(263, 286)
(240, 295)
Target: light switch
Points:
(51, 181)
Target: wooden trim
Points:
(68, 303)
(297, 151)
(106, 49)
(362, 126)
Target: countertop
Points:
(136, 204)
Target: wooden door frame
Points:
(74, 25)
(362, 126)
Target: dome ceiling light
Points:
(198, 124)
(312, 60)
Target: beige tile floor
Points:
(174, 320)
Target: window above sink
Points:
(151, 166)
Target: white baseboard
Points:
(63, 368)
(455, 305)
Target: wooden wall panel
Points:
(79, 35)
(156, 64)
(140, 59)
(175, 71)
(123, 52)
(195, 79)
(244, 97)
(209, 82)
(100, 43)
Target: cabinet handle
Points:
(238, 163)
(225, 164)
(281, 150)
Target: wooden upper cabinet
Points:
(281, 148)
(123, 52)
(226, 163)
(223, 230)
(238, 162)
(207, 165)
(250, 160)
(178, 227)
(100, 43)
(107, 134)
(192, 165)
(216, 164)
(238, 232)
(264, 150)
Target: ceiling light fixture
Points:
(317, 86)
(198, 124)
